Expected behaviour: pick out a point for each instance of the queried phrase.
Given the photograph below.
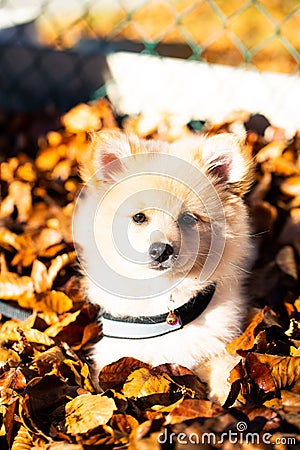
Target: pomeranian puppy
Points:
(165, 245)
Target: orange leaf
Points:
(12, 286)
(57, 264)
(81, 118)
(117, 372)
(286, 261)
(192, 409)
(39, 275)
(87, 412)
(142, 383)
(247, 339)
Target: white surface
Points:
(189, 89)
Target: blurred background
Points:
(53, 53)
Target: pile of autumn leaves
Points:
(48, 398)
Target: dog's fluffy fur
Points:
(200, 345)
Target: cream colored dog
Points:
(165, 246)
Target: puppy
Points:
(165, 246)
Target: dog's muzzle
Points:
(161, 254)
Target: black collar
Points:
(145, 327)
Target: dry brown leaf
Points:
(23, 440)
(270, 151)
(125, 423)
(291, 186)
(143, 438)
(297, 304)
(13, 379)
(46, 238)
(260, 373)
(51, 356)
(282, 167)
(47, 159)
(261, 189)
(11, 331)
(247, 339)
(192, 409)
(54, 138)
(7, 207)
(62, 170)
(57, 264)
(264, 216)
(12, 286)
(141, 383)
(3, 265)
(33, 243)
(167, 409)
(8, 239)
(117, 372)
(56, 328)
(290, 399)
(7, 169)
(52, 251)
(39, 276)
(20, 192)
(9, 356)
(285, 259)
(90, 332)
(81, 118)
(291, 230)
(62, 445)
(285, 371)
(87, 412)
(57, 301)
(26, 172)
(37, 337)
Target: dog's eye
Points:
(187, 219)
(139, 218)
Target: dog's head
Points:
(165, 208)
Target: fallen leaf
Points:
(37, 337)
(192, 409)
(20, 192)
(270, 151)
(56, 328)
(7, 169)
(86, 412)
(47, 159)
(8, 239)
(26, 172)
(247, 339)
(125, 423)
(116, 373)
(23, 440)
(81, 118)
(291, 186)
(141, 383)
(13, 379)
(286, 261)
(57, 264)
(285, 371)
(57, 301)
(12, 286)
(260, 373)
(39, 276)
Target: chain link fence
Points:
(54, 53)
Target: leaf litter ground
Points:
(48, 398)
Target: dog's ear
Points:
(104, 156)
(227, 160)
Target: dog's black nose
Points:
(160, 251)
